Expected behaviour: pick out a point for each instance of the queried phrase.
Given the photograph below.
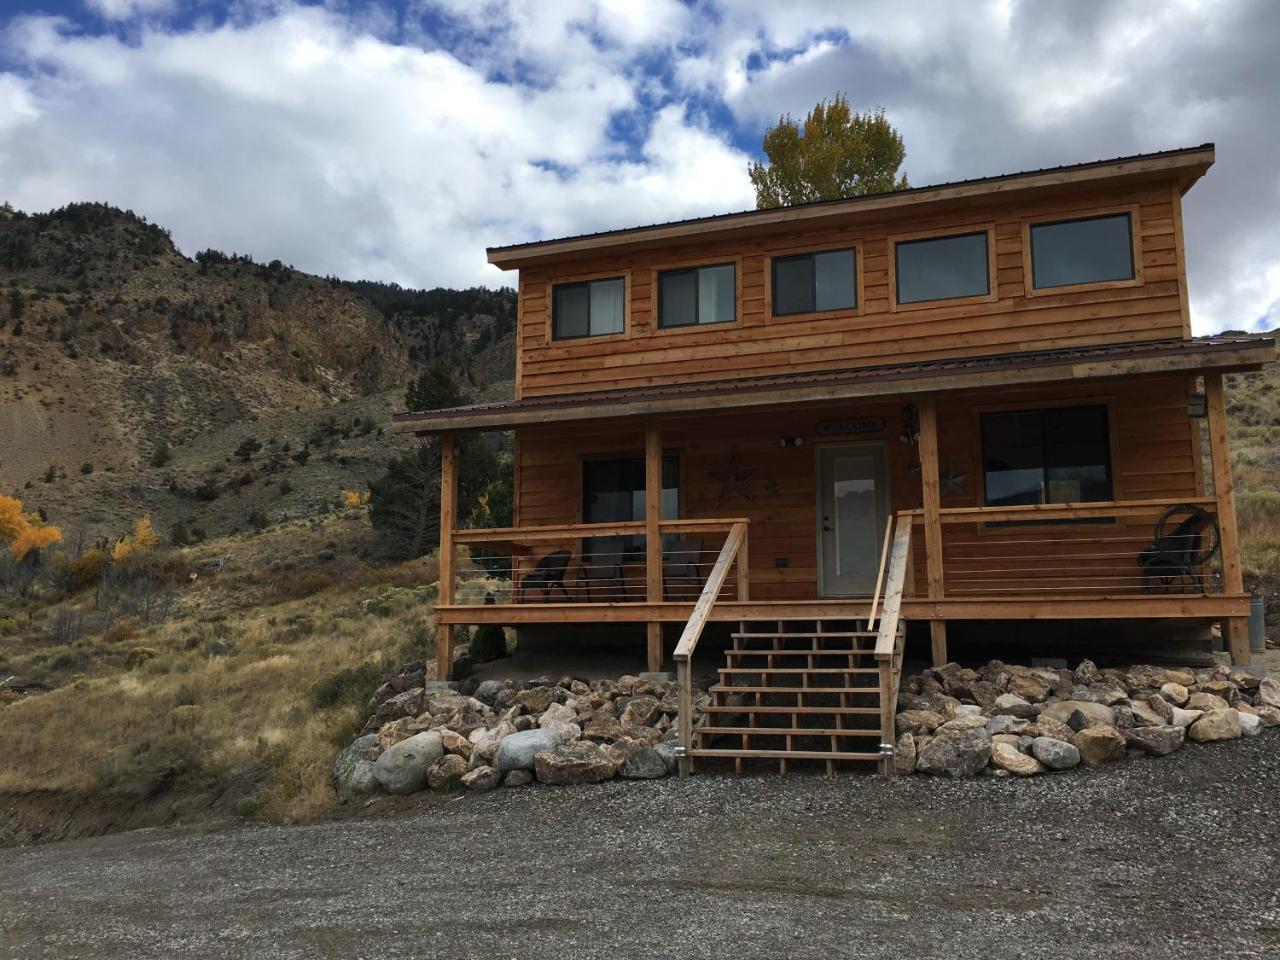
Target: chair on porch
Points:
(1173, 562)
(682, 570)
(600, 569)
(547, 574)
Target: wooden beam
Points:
(710, 593)
(931, 499)
(1224, 491)
(653, 537)
(448, 520)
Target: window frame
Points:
(959, 230)
(1135, 250)
(668, 453)
(771, 284)
(661, 271)
(554, 285)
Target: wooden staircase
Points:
(796, 691)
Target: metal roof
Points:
(1223, 352)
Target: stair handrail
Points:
(889, 641)
(884, 558)
(693, 633)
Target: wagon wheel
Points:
(1205, 525)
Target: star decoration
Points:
(953, 481)
(733, 478)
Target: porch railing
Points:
(891, 634)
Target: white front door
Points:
(853, 506)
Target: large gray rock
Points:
(482, 779)
(1054, 753)
(919, 721)
(1157, 740)
(956, 753)
(1268, 693)
(517, 750)
(573, 763)
(1013, 705)
(352, 773)
(488, 691)
(403, 768)
(1094, 712)
(1250, 725)
(1005, 756)
(667, 751)
(518, 778)
(643, 763)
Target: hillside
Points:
(130, 374)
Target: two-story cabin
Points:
(968, 402)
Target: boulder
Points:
(639, 711)
(536, 699)
(904, 754)
(574, 763)
(643, 764)
(447, 772)
(517, 751)
(482, 779)
(605, 729)
(1087, 672)
(1101, 743)
(558, 713)
(967, 710)
(407, 704)
(1207, 702)
(1145, 715)
(456, 743)
(488, 691)
(667, 752)
(919, 721)
(1175, 693)
(1270, 716)
(964, 723)
(518, 778)
(486, 740)
(1092, 712)
(1013, 705)
(1215, 725)
(1268, 693)
(1246, 681)
(1046, 726)
(956, 753)
(1007, 757)
(352, 773)
(1221, 688)
(402, 769)
(1029, 687)
(1156, 740)
(1184, 718)
(1006, 723)
(1054, 753)
(1250, 724)
(1161, 707)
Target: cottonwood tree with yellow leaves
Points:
(25, 536)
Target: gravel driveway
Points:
(1146, 859)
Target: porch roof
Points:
(1222, 353)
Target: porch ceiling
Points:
(1219, 354)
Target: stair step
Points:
(734, 671)
(783, 754)
(788, 731)
(721, 688)
(806, 635)
(799, 711)
(802, 651)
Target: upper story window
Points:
(942, 268)
(1093, 250)
(696, 296)
(813, 282)
(590, 309)
(1059, 455)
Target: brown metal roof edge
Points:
(536, 248)
(924, 376)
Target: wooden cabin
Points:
(978, 401)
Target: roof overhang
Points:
(1183, 166)
(1222, 354)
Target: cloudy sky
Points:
(395, 140)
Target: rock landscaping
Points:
(1006, 720)
(1001, 720)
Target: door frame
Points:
(818, 449)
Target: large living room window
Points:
(589, 309)
(814, 282)
(942, 268)
(1058, 455)
(613, 491)
(1092, 250)
(696, 296)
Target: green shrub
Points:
(351, 687)
(489, 643)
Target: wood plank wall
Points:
(876, 332)
(1155, 450)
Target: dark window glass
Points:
(588, 309)
(1082, 251)
(940, 268)
(613, 490)
(697, 296)
(1061, 455)
(814, 282)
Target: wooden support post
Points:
(1235, 631)
(448, 511)
(744, 570)
(685, 718)
(932, 502)
(653, 537)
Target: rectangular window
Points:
(942, 268)
(613, 490)
(590, 309)
(1059, 455)
(698, 296)
(1094, 250)
(813, 282)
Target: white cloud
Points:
(128, 9)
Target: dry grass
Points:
(253, 685)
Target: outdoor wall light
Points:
(791, 441)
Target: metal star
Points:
(734, 478)
(953, 482)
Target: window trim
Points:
(587, 283)
(771, 284)
(547, 321)
(660, 272)
(627, 453)
(960, 230)
(1095, 213)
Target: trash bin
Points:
(1257, 625)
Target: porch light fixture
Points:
(910, 424)
(1196, 406)
(791, 441)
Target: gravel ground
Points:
(1150, 858)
